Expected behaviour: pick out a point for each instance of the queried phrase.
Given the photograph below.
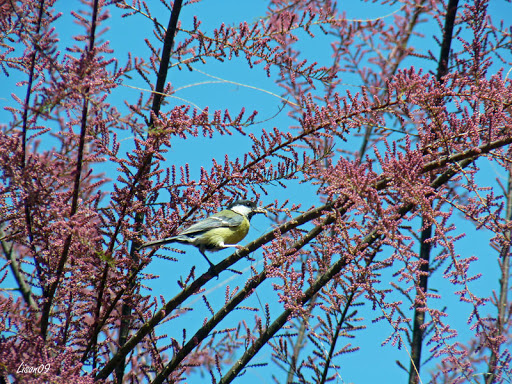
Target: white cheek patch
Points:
(242, 210)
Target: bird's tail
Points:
(154, 243)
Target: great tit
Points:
(221, 230)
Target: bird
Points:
(221, 230)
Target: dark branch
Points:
(76, 187)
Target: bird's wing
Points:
(214, 221)
(217, 220)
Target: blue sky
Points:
(372, 363)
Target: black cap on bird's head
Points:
(247, 203)
(246, 207)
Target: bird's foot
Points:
(238, 248)
(211, 271)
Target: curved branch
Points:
(464, 160)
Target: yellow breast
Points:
(228, 235)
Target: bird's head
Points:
(246, 208)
